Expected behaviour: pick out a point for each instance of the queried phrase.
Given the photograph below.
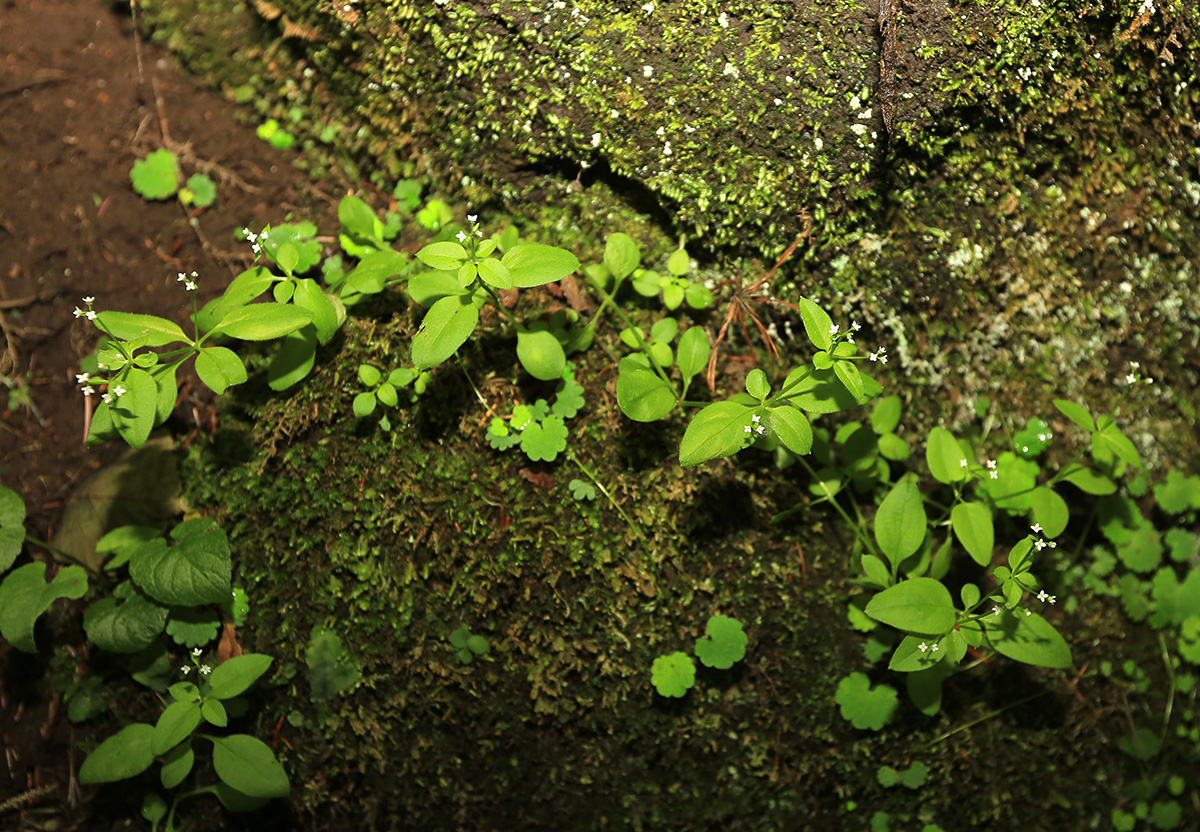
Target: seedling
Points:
(865, 707)
(724, 643)
(467, 647)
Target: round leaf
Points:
(447, 325)
(249, 766)
(220, 368)
(1050, 510)
(724, 644)
(642, 394)
(540, 354)
(918, 605)
(673, 674)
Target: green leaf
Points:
(621, 255)
(175, 725)
(262, 321)
(848, 373)
(25, 595)
(126, 628)
(540, 353)
(673, 674)
(287, 256)
(534, 264)
(817, 324)
(1027, 638)
(925, 688)
(134, 413)
(220, 368)
(544, 440)
(369, 375)
(193, 626)
(196, 571)
(1050, 510)
(445, 256)
(1108, 441)
(156, 176)
(359, 220)
(792, 428)
(236, 801)
(12, 527)
(1077, 414)
(885, 415)
(973, 527)
(641, 393)
(237, 674)
(1089, 480)
(900, 522)
(331, 667)
(1178, 493)
(876, 570)
(909, 655)
(128, 326)
(716, 431)
(214, 713)
(294, 360)
(694, 351)
(177, 765)
(249, 766)
(757, 385)
(373, 271)
(945, 457)
(310, 296)
(495, 274)
(820, 391)
(863, 706)
(246, 287)
(447, 325)
(581, 490)
(678, 263)
(364, 404)
(125, 754)
(918, 605)
(204, 190)
(723, 644)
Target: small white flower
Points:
(647, 70)
(478, 233)
(1037, 527)
(205, 670)
(81, 378)
(1133, 364)
(855, 326)
(648, 8)
(88, 300)
(934, 648)
(196, 653)
(185, 670)
(1042, 596)
(991, 463)
(461, 236)
(883, 359)
(257, 248)
(755, 417)
(190, 286)
(994, 474)
(118, 391)
(1130, 379)
(962, 463)
(87, 391)
(833, 328)
(747, 429)
(181, 277)
(79, 313)
(874, 357)
(996, 610)
(1039, 544)
(472, 217)
(1029, 612)
(595, 140)
(760, 430)
(91, 316)
(107, 397)
(922, 647)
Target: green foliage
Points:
(271, 132)
(673, 675)
(540, 429)
(723, 644)
(200, 191)
(581, 490)
(467, 646)
(865, 707)
(156, 176)
(913, 777)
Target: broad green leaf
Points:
(925, 687)
(847, 372)
(664, 330)
(917, 653)
(447, 325)
(918, 605)
(945, 457)
(792, 428)
(1050, 510)
(125, 754)
(262, 321)
(247, 286)
(1077, 414)
(237, 674)
(12, 527)
(716, 431)
(540, 354)
(287, 256)
(865, 707)
(876, 570)
(331, 667)
(25, 595)
(445, 256)
(214, 713)
(249, 766)
(544, 440)
(621, 255)
(177, 765)
(885, 415)
(1089, 480)
(369, 375)
(1108, 441)
(900, 522)
(678, 262)
(641, 393)
(495, 274)
(236, 801)
(156, 176)
(974, 529)
(820, 391)
(220, 368)
(723, 644)
(673, 674)
(135, 411)
(294, 359)
(175, 725)
(310, 296)
(534, 264)
(694, 351)
(817, 324)
(168, 391)
(127, 627)
(1027, 638)
(364, 404)
(193, 572)
(358, 219)
(373, 271)
(126, 326)
(757, 385)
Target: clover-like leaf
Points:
(723, 644)
(544, 440)
(581, 490)
(673, 674)
(1179, 493)
(192, 626)
(865, 707)
(156, 176)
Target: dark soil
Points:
(80, 100)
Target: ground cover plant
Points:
(939, 594)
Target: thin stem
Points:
(591, 476)
(859, 532)
(985, 717)
(57, 552)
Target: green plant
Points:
(156, 176)
(331, 667)
(200, 191)
(467, 647)
(540, 429)
(722, 644)
(865, 706)
(384, 390)
(271, 132)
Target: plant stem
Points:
(591, 476)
